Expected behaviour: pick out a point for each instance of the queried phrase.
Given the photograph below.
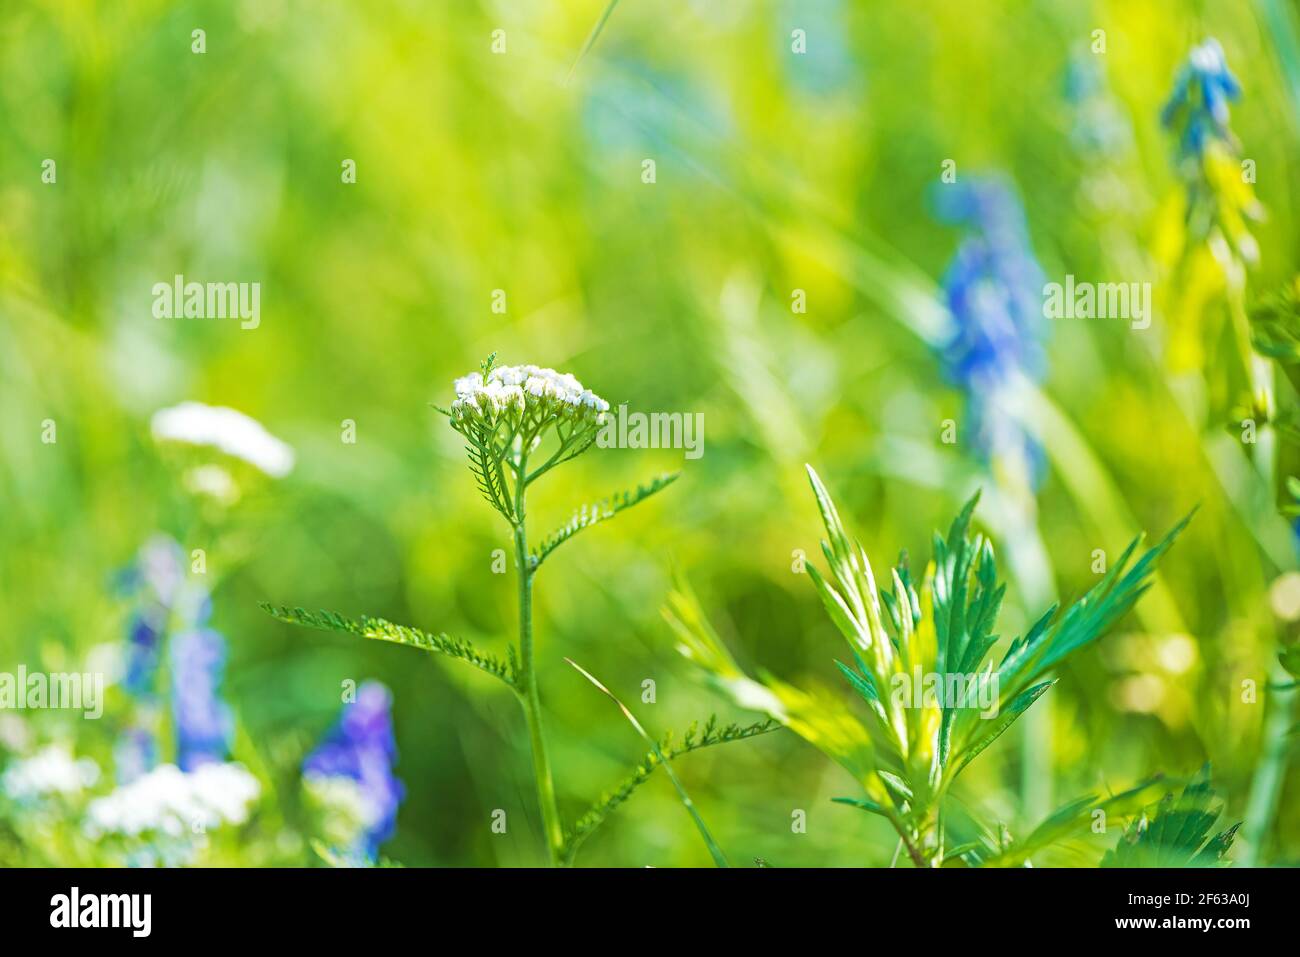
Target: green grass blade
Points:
(591, 38)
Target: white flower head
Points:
(170, 802)
(225, 429)
(525, 393)
(1208, 57)
(50, 772)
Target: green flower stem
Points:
(528, 693)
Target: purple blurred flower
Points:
(170, 608)
(203, 721)
(135, 754)
(363, 749)
(993, 291)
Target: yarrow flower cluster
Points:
(506, 411)
(525, 393)
(355, 763)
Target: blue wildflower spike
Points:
(203, 721)
(1198, 106)
(362, 748)
(993, 291)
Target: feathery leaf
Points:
(380, 629)
(589, 515)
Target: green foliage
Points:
(602, 511)
(379, 629)
(668, 748)
(503, 431)
(1069, 821)
(1275, 325)
(226, 167)
(1290, 659)
(932, 700)
(715, 851)
(1177, 833)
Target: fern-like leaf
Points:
(715, 851)
(380, 629)
(670, 748)
(485, 463)
(589, 515)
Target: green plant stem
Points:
(1266, 783)
(528, 693)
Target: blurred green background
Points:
(476, 171)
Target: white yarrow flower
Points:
(526, 391)
(228, 430)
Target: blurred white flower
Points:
(225, 429)
(344, 811)
(53, 770)
(171, 802)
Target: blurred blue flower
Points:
(363, 749)
(203, 721)
(1198, 107)
(993, 289)
(135, 754)
(154, 581)
(143, 651)
(1098, 127)
(167, 603)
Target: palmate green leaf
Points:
(821, 720)
(379, 629)
(992, 728)
(1087, 619)
(1275, 328)
(670, 748)
(589, 515)
(1290, 659)
(1072, 819)
(908, 752)
(715, 851)
(1178, 833)
(840, 557)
